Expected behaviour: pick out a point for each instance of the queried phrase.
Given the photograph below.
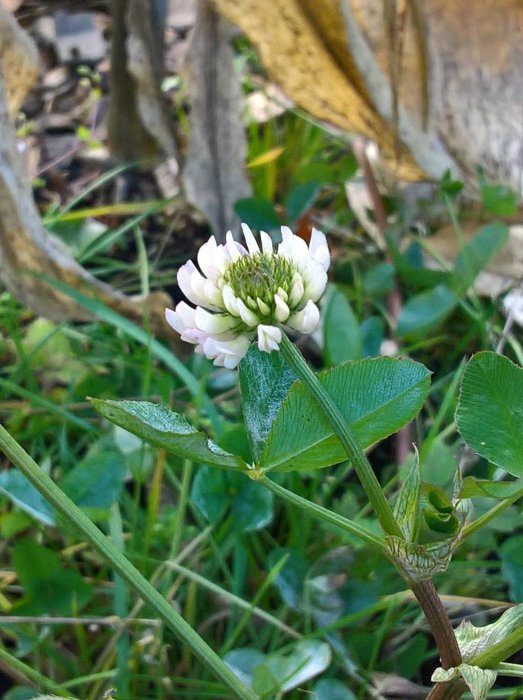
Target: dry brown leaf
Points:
(303, 47)
(214, 173)
(332, 58)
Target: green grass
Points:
(294, 579)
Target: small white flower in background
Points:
(513, 305)
(240, 294)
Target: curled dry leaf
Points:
(333, 59)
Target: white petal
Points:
(282, 310)
(315, 283)
(305, 320)
(213, 294)
(282, 294)
(269, 338)
(227, 353)
(183, 322)
(246, 315)
(266, 243)
(174, 320)
(297, 290)
(185, 282)
(250, 240)
(233, 248)
(319, 249)
(187, 314)
(207, 257)
(220, 261)
(293, 247)
(214, 324)
(230, 301)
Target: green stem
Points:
(324, 514)
(40, 681)
(513, 670)
(490, 514)
(75, 517)
(497, 653)
(339, 425)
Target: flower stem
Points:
(480, 522)
(513, 670)
(78, 520)
(325, 514)
(359, 461)
(18, 670)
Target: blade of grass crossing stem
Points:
(233, 599)
(120, 602)
(104, 313)
(48, 405)
(122, 566)
(32, 675)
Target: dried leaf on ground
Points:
(332, 59)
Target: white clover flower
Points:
(240, 294)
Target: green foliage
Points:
(341, 332)
(475, 256)
(265, 380)
(280, 672)
(304, 600)
(215, 492)
(376, 397)
(426, 311)
(49, 587)
(257, 213)
(490, 410)
(166, 429)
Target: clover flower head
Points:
(241, 293)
